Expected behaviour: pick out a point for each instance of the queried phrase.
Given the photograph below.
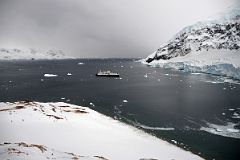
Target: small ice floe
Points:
(224, 88)
(122, 66)
(195, 73)
(91, 104)
(157, 128)
(166, 74)
(214, 82)
(223, 114)
(227, 130)
(158, 80)
(42, 80)
(150, 127)
(236, 115)
(125, 101)
(50, 75)
(69, 74)
(145, 75)
(174, 141)
(80, 63)
(63, 98)
(10, 81)
(231, 109)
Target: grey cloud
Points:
(99, 28)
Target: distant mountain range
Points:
(31, 54)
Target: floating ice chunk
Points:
(214, 82)
(232, 130)
(63, 98)
(145, 75)
(50, 75)
(91, 104)
(174, 141)
(80, 63)
(157, 128)
(223, 113)
(236, 115)
(69, 74)
(125, 101)
(151, 128)
(227, 130)
(231, 109)
(195, 73)
(166, 74)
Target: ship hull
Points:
(102, 75)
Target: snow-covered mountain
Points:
(14, 54)
(196, 45)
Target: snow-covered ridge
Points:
(30, 54)
(49, 128)
(207, 37)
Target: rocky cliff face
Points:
(221, 33)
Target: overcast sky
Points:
(100, 28)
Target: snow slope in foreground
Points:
(78, 130)
(218, 62)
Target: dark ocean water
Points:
(192, 111)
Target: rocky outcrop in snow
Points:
(30, 54)
(26, 151)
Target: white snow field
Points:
(65, 131)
